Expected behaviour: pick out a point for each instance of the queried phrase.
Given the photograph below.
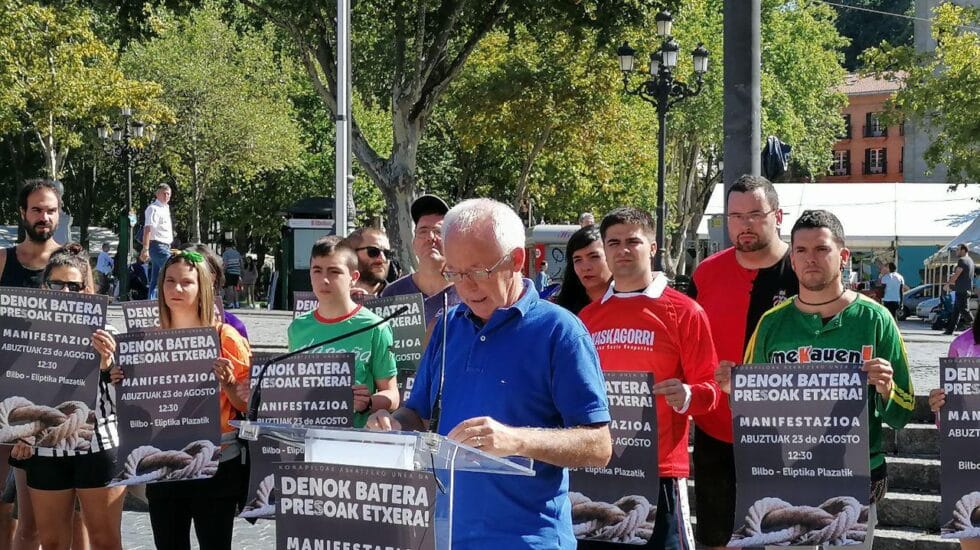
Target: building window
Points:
(842, 163)
(847, 128)
(875, 161)
(874, 127)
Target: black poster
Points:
(801, 454)
(618, 503)
(141, 315)
(408, 331)
(50, 370)
(303, 302)
(310, 389)
(334, 506)
(959, 430)
(169, 412)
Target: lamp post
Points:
(118, 142)
(663, 91)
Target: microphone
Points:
(256, 400)
(437, 406)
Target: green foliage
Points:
(867, 29)
(941, 91)
(58, 79)
(233, 116)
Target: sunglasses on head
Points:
(374, 252)
(61, 285)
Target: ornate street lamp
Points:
(121, 147)
(663, 91)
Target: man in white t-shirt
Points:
(894, 285)
(158, 235)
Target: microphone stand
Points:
(437, 406)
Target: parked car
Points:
(929, 310)
(913, 297)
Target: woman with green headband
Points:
(186, 300)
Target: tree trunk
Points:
(197, 192)
(528, 165)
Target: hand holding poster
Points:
(333, 506)
(50, 370)
(169, 412)
(801, 454)
(311, 389)
(618, 503)
(959, 431)
(408, 331)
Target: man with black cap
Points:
(427, 213)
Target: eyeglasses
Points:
(475, 275)
(374, 252)
(60, 285)
(751, 217)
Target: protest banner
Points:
(169, 411)
(618, 503)
(408, 331)
(141, 315)
(801, 454)
(959, 431)
(334, 506)
(303, 301)
(310, 389)
(50, 370)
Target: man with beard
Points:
(373, 259)
(735, 287)
(428, 212)
(22, 265)
(827, 316)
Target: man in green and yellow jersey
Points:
(827, 323)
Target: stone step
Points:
(912, 440)
(913, 474)
(895, 538)
(910, 510)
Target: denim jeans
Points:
(159, 254)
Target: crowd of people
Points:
(505, 371)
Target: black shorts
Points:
(231, 279)
(57, 473)
(714, 489)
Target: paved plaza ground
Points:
(267, 332)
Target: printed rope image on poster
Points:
(959, 431)
(310, 389)
(408, 331)
(141, 315)
(801, 454)
(618, 503)
(334, 506)
(169, 411)
(303, 301)
(49, 368)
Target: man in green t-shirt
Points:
(333, 272)
(826, 323)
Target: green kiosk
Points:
(306, 221)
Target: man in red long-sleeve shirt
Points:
(735, 287)
(643, 325)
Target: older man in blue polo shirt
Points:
(522, 378)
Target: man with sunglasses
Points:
(373, 260)
(428, 212)
(509, 374)
(735, 287)
(22, 265)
